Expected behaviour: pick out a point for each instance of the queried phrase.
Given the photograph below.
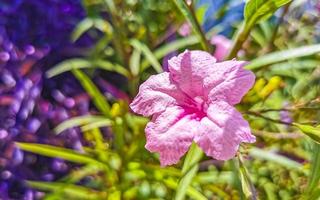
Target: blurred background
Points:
(69, 69)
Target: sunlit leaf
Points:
(57, 152)
(80, 121)
(135, 62)
(68, 190)
(310, 131)
(246, 183)
(283, 55)
(81, 28)
(191, 192)
(314, 177)
(98, 99)
(148, 54)
(80, 63)
(189, 170)
(257, 10)
(276, 158)
(171, 47)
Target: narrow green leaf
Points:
(57, 152)
(257, 10)
(98, 99)
(102, 25)
(270, 156)
(81, 28)
(191, 192)
(103, 64)
(76, 175)
(96, 124)
(314, 177)
(170, 47)
(189, 170)
(135, 62)
(310, 131)
(80, 121)
(67, 65)
(80, 63)
(68, 190)
(191, 18)
(284, 55)
(246, 184)
(148, 54)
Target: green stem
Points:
(241, 37)
(189, 170)
(188, 13)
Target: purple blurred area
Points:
(34, 36)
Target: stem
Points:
(204, 42)
(275, 31)
(267, 118)
(241, 37)
(189, 170)
(117, 35)
(189, 14)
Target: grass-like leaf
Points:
(148, 54)
(57, 152)
(68, 190)
(81, 121)
(189, 170)
(257, 10)
(314, 177)
(270, 156)
(80, 63)
(283, 55)
(310, 131)
(98, 99)
(170, 47)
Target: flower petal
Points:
(222, 44)
(222, 131)
(189, 69)
(229, 82)
(156, 94)
(170, 134)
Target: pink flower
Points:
(185, 29)
(223, 46)
(194, 102)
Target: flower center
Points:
(199, 107)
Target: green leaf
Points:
(273, 157)
(67, 65)
(98, 99)
(96, 124)
(68, 190)
(135, 62)
(81, 121)
(80, 63)
(310, 131)
(184, 9)
(257, 10)
(191, 192)
(170, 47)
(284, 55)
(246, 184)
(189, 170)
(57, 152)
(82, 27)
(103, 64)
(148, 54)
(314, 177)
(102, 25)
(76, 175)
